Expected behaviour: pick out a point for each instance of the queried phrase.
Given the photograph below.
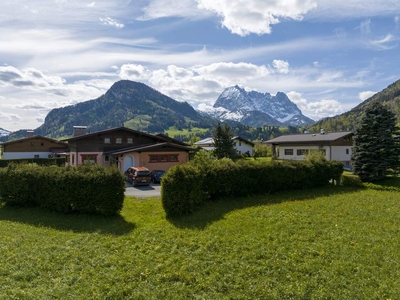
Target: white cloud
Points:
(365, 95)
(256, 16)
(281, 66)
(318, 109)
(384, 43)
(28, 78)
(365, 27)
(133, 72)
(167, 8)
(352, 9)
(111, 22)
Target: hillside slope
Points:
(390, 97)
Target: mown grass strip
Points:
(327, 243)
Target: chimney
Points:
(79, 130)
(322, 131)
(29, 133)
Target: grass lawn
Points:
(328, 243)
(172, 131)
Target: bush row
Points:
(186, 187)
(86, 189)
(40, 161)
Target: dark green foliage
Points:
(85, 189)
(351, 180)
(182, 190)
(39, 161)
(185, 187)
(223, 143)
(376, 144)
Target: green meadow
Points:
(327, 243)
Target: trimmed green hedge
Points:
(186, 187)
(39, 161)
(85, 189)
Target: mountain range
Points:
(257, 109)
(4, 132)
(138, 106)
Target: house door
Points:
(128, 162)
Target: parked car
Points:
(156, 176)
(138, 176)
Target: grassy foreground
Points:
(329, 243)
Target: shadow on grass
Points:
(216, 210)
(36, 216)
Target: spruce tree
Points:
(376, 144)
(223, 143)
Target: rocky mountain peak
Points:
(239, 103)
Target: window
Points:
(153, 158)
(302, 151)
(118, 140)
(107, 140)
(130, 140)
(89, 158)
(163, 158)
(240, 143)
(36, 156)
(288, 151)
(347, 151)
(106, 158)
(73, 159)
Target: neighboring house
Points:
(241, 145)
(33, 146)
(126, 148)
(336, 145)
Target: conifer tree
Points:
(223, 143)
(376, 144)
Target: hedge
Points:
(186, 187)
(59, 161)
(85, 189)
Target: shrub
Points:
(186, 187)
(182, 190)
(86, 189)
(351, 180)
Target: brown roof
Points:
(35, 137)
(114, 129)
(149, 147)
(309, 137)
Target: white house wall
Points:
(243, 148)
(341, 153)
(20, 155)
(300, 157)
(338, 153)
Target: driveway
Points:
(153, 190)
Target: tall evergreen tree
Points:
(376, 144)
(223, 143)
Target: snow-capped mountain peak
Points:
(257, 109)
(4, 132)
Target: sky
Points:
(327, 56)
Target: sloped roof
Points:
(83, 136)
(309, 138)
(149, 147)
(35, 137)
(210, 140)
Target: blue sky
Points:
(328, 56)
